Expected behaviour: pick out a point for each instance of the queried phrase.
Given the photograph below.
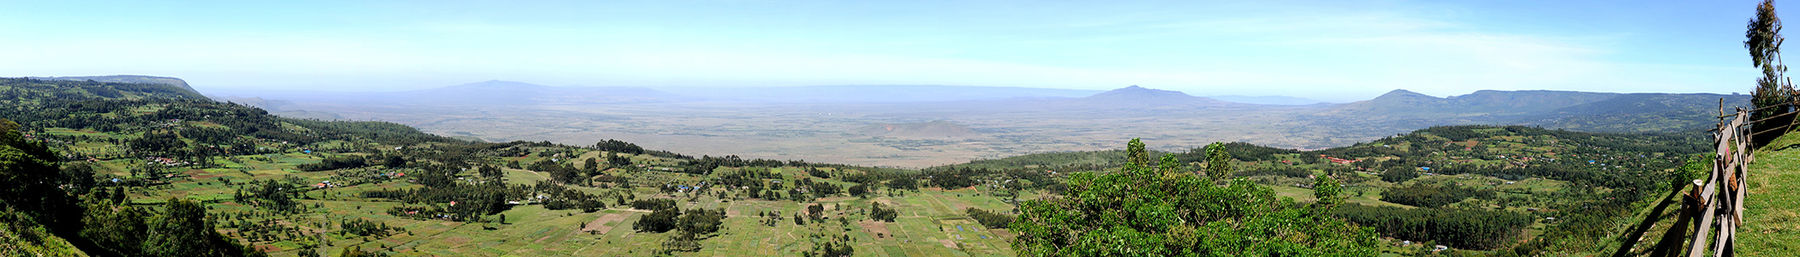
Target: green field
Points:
(1771, 222)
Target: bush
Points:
(990, 219)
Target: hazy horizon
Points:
(1327, 51)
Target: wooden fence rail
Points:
(1719, 198)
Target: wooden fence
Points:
(1719, 198)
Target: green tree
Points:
(1135, 153)
(1218, 162)
(1135, 212)
(1168, 164)
(1762, 36)
(356, 251)
(117, 229)
(33, 182)
(184, 230)
(1329, 192)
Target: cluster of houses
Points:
(1338, 160)
(165, 161)
(326, 184)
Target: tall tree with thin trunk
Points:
(1762, 36)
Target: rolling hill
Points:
(133, 79)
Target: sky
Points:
(1327, 50)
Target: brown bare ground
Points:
(875, 227)
(599, 224)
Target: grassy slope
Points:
(1771, 222)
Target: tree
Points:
(33, 182)
(117, 229)
(490, 172)
(1762, 36)
(1168, 164)
(356, 251)
(184, 230)
(1218, 162)
(876, 212)
(697, 222)
(659, 220)
(860, 190)
(1329, 192)
(590, 166)
(815, 212)
(1135, 153)
(1136, 212)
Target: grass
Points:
(1771, 222)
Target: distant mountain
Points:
(1402, 110)
(1644, 112)
(874, 93)
(1266, 99)
(1484, 102)
(181, 86)
(1139, 97)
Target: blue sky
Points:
(1330, 50)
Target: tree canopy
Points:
(1140, 211)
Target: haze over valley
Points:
(897, 128)
(937, 125)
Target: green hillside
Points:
(1477, 189)
(1769, 227)
(144, 158)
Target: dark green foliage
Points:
(49, 103)
(561, 173)
(906, 183)
(490, 172)
(362, 227)
(395, 161)
(335, 162)
(1285, 171)
(815, 212)
(184, 230)
(876, 212)
(1460, 228)
(1401, 174)
(33, 181)
(1218, 162)
(1246, 152)
(954, 178)
(1431, 195)
(990, 219)
(157, 142)
(1135, 154)
(859, 190)
(559, 197)
(820, 188)
(1762, 36)
(837, 247)
(1140, 212)
(115, 229)
(653, 204)
(700, 222)
(659, 220)
(357, 251)
(272, 195)
(1328, 191)
(617, 160)
(473, 199)
(616, 146)
(29, 88)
